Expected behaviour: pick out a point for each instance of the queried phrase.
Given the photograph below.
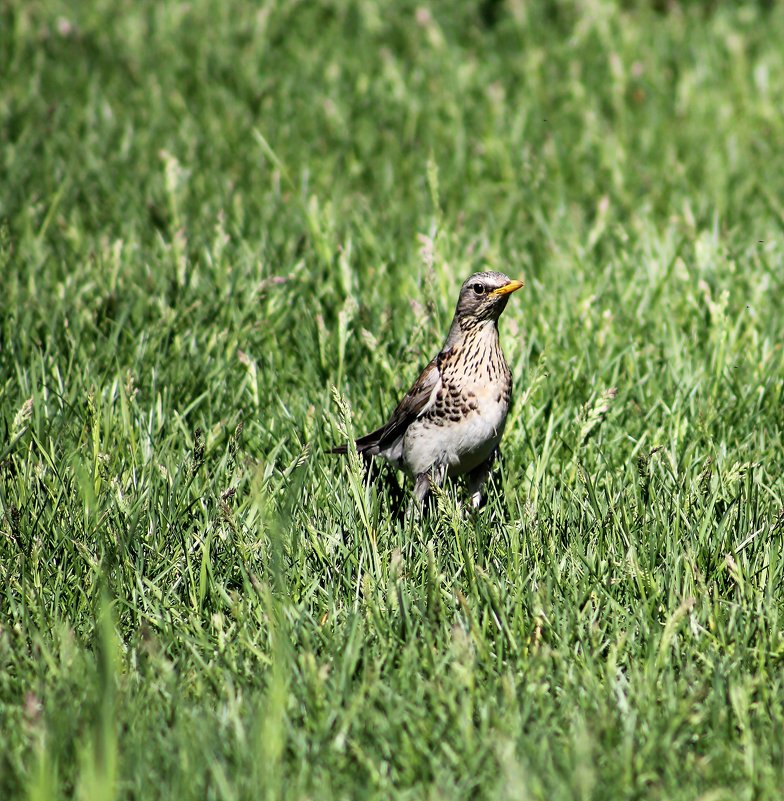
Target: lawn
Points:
(231, 234)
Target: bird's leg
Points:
(435, 476)
(477, 479)
(422, 488)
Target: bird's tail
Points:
(368, 444)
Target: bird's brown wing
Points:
(412, 405)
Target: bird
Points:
(451, 421)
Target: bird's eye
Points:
(479, 289)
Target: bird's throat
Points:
(477, 329)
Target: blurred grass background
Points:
(214, 213)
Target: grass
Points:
(231, 234)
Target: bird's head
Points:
(484, 296)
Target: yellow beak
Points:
(507, 289)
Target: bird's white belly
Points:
(462, 445)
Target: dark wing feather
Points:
(406, 412)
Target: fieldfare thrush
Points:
(451, 420)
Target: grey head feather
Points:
(476, 305)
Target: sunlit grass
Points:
(229, 236)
